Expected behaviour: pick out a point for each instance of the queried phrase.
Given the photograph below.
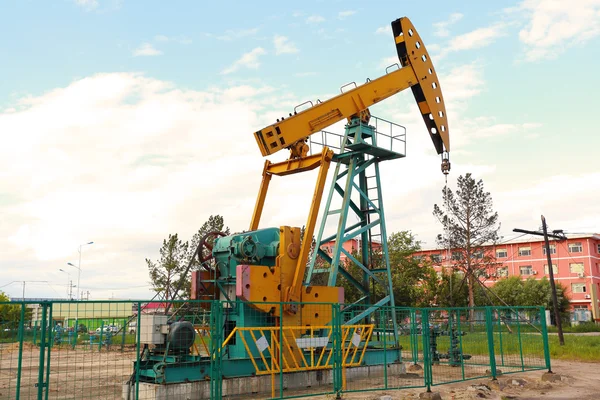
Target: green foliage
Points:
(10, 314)
(407, 271)
(582, 327)
(168, 274)
(531, 292)
(449, 290)
(168, 271)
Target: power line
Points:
(8, 284)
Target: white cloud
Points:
(87, 4)
(315, 19)
(478, 38)
(123, 160)
(146, 49)
(522, 205)
(237, 34)
(555, 25)
(248, 60)
(283, 45)
(346, 14)
(441, 28)
(475, 39)
(177, 39)
(388, 61)
(384, 30)
(305, 74)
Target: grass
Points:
(581, 328)
(576, 348)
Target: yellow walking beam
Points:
(417, 73)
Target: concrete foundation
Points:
(251, 385)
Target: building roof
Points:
(531, 239)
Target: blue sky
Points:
(109, 108)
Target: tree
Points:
(10, 314)
(447, 290)
(471, 223)
(408, 272)
(215, 223)
(530, 292)
(169, 272)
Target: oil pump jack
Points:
(263, 276)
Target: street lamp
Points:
(69, 284)
(79, 270)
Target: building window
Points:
(418, 258)
(502, 272)
(575, 247)
(578, 288)
(524, 251)
(456, 255)
(478, 254)
(436, 258)
(598, 245)
(554, 269)
(552, 249)
(576, 268)
(526, 270)
(501, 253)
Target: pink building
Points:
(352, 245)
(575, 263)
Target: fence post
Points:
(216, 341)
(20, 362)
(427, 369)
(281, 350)
(520, 339)
(414, 339)
(385, 348)
(337, 350)
(489, 323)
(123, 328)
(49, 348)
(500, 335)
(543, 322)
(137, 350)
(40, 383)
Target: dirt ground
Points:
(578, 381)
(89, 373)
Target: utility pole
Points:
(24, 282)
(560, 236)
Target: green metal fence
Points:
(101, 349)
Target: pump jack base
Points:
(256, 386)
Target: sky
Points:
(124, 121)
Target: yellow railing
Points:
(304, 348)
(202, 333)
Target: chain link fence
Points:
(238, 350)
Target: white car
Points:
(108, 329)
